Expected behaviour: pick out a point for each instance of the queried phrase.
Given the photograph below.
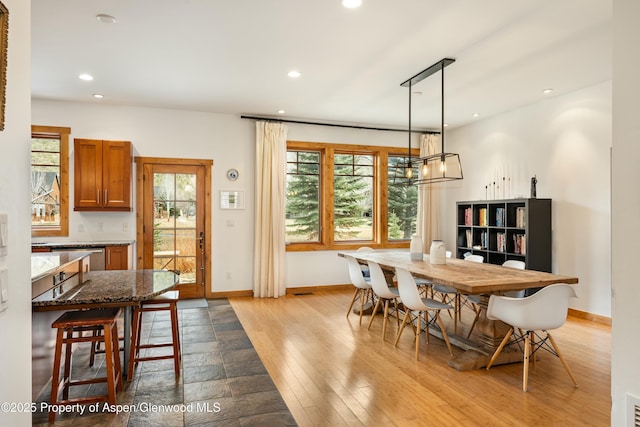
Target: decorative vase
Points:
(437, 252)
(415, 248)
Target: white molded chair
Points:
(363, 286)
(414, 303)
(364, 268)
(450, 294)
(543, 311)
(384, 293)
(475, 299)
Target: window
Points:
(303, 196)
(49, 181)
(346, 196)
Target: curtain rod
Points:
(272, 119)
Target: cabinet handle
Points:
(98, 191)
(106, 197)
(108, 256)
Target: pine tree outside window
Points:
(403, 200)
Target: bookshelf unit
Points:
(501, 230)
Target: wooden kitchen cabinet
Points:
(102, 180)
(117, 257)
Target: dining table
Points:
(109, 288)
(483, 279)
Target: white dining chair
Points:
(365, 268)
(451, 294)
(384, 293)
(536, 315)
(475, 299)
(362, 284)
(417, 306)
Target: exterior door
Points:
(175, 219)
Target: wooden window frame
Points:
(381, 196)
(62, 133)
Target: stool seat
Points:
(76, 322)
(167, 301)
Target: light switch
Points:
(4, 233)
(4, 289)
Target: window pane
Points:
(45, 182)
(303, 197)
(403, 201)
(353, 198)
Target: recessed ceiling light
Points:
(476, 114)
(281, 111)
(98, 95)
(351, 4)
(87, 77)
(106, 19)
(547, 91)
(294, 74)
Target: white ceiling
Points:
(232, 56)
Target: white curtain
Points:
(428, 226)
(269, 250)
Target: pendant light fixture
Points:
(438, 167)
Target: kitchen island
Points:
(95, 289)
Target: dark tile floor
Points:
(223, 381)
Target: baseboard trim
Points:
(301, 290)
(595, 318)
(230, 294)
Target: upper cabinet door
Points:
(102, 180)
(116, 174)
(88, 174)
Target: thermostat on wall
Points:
(232, 174)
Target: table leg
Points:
(127, 339)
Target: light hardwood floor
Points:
(333, 372)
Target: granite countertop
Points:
(45, 263)
(113, 286)
(79, 245)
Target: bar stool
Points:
(165, 302)
(77, 321)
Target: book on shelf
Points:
(501, 242)
(469, 238)
(520, 244)
(501, 217)
(521, 217)
(482, 217)
(468, 216)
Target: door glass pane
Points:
(175, 246)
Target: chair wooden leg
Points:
(402, 326)
(133, 350)
(418, 333)
(55, 381)
(176, 339)
(353, 300)
(375, 311)
(395, 303)
(362, 300)
(475, 320)
(116, 356)
(426, 326)
(562, 359)
(504, 342)
(444, 332)
(108, 352)
(66, 375)
(527, 351)
(386, 316)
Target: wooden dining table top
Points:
(466, 276)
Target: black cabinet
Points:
(501, 230)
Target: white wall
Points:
(227, 140)
(565, 142)
(230, 142)
(15, 322)
(625, 204)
